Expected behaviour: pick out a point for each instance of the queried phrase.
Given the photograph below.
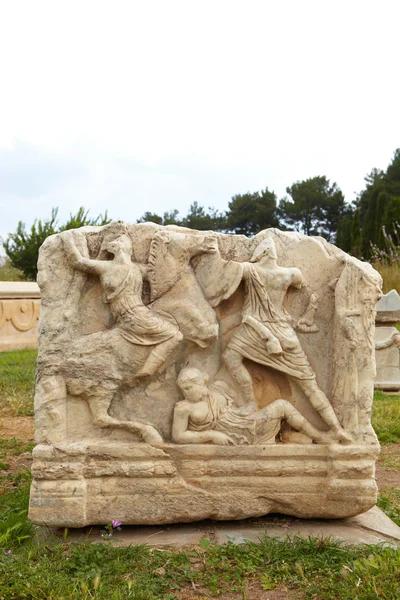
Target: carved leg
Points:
(240, 375)
(321, 404)
(159, 354)
(296, 420)
(99, 406)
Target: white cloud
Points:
(134, 106)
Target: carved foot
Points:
(150, 435)
(341, 436)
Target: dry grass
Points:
(390, 275)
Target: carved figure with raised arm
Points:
(122, 282)
(208, 415)
(266, 335)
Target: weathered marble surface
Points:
(185, 375)
(387, 342)
(19, 315)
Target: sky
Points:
(151, 105)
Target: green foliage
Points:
(17, 381)
(375, 214)
(81, 218)
(197, 218)
(315, 207)
(22, 247)
(250, 213)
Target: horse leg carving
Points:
(99, 406)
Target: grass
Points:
(8, 272)
(13, 447)
(17, 382)
(386, 417)
(311, 568)
(389, 502)
(390, 275)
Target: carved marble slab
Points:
(19, 315)
(387, 342)
(185, 375)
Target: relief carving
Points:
(22, 313)
(170, 375)
(208, 414)
(267, 337)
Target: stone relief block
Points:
(387, 342)
(19, 315)
(185, 375)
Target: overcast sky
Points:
(151, 105)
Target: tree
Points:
(379, 206)
(348, 236)
(315, 207)
(81, 219)
(198, 218)
(22, 247)
(169, 218)
(250, 213)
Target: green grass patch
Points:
(312, 568)
(17, 381)
(8, 272)
(15, 529)
(386, 417)
(13, 447)
(390, 458)
(389, 502)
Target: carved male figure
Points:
(208, 415)
(266, 335)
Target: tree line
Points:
(313, 206)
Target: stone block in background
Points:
(19, 315)
(387, 342)
(185, 375)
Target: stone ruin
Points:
(185, 375)
(19, 315)
(387, 342)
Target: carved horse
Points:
(98, 365)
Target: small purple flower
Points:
(115, 523)
(8, 552)
(106, 535)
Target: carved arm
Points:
(181, 434)
(75, 256)
(393, 340)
